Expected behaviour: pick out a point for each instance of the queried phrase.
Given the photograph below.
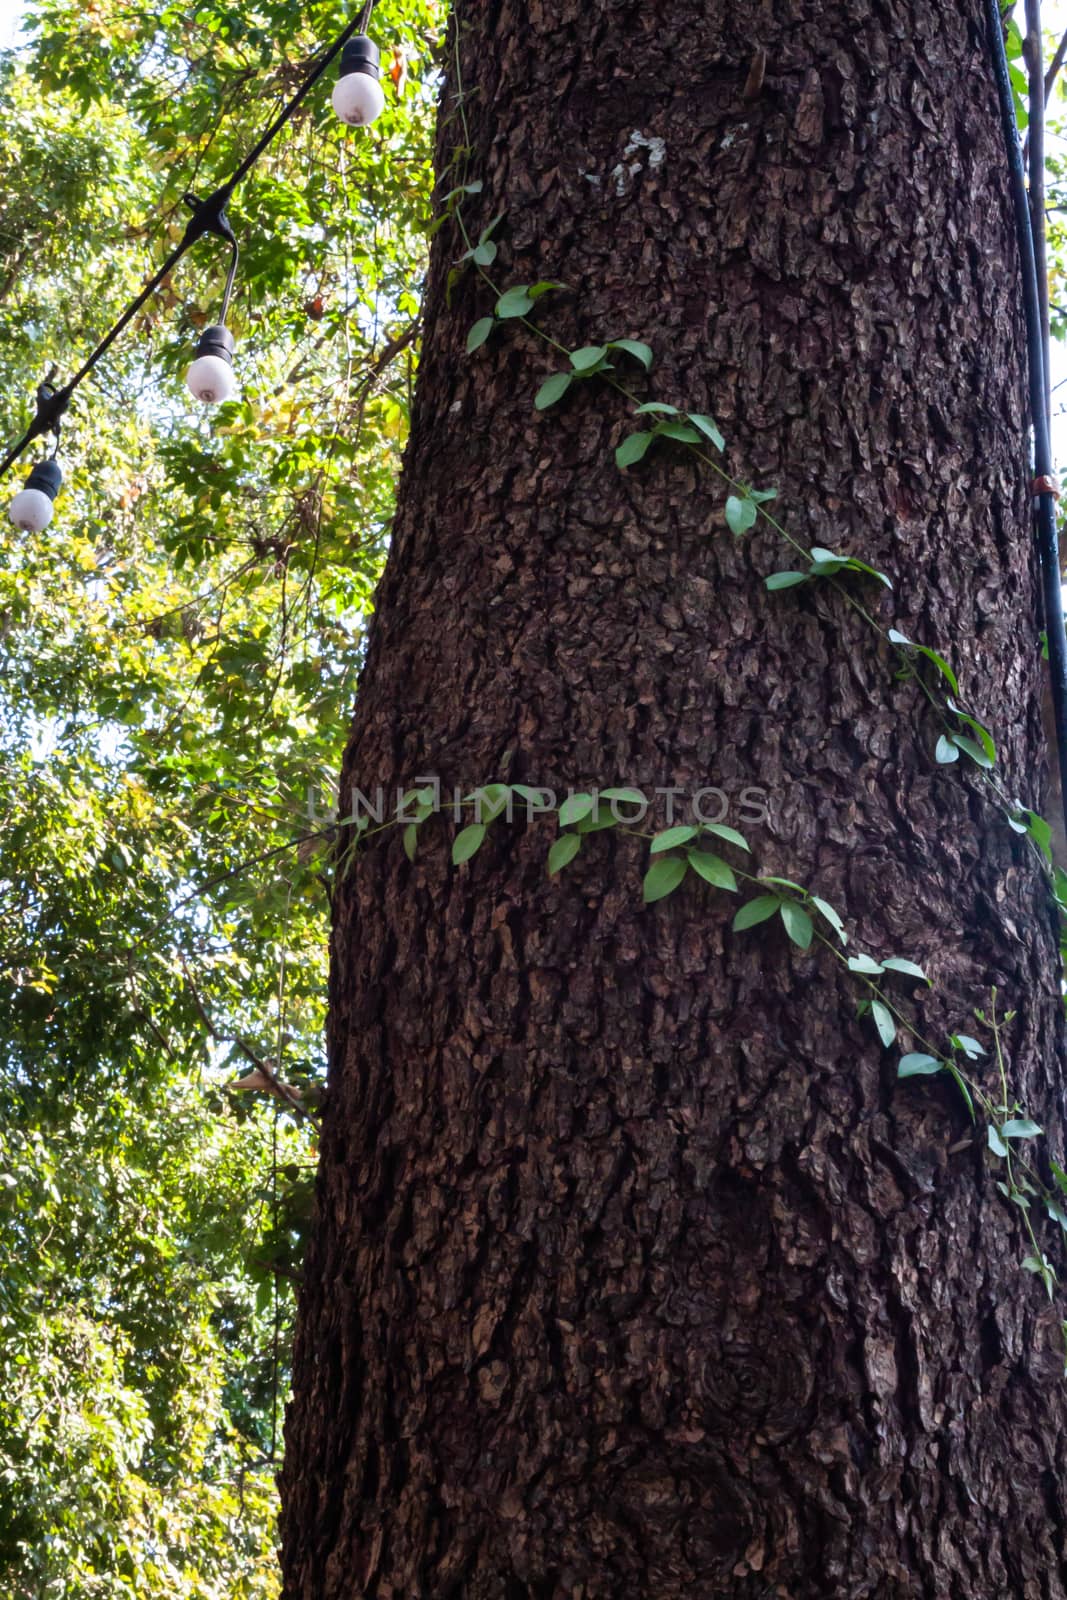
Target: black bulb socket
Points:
(361, 54)
(47, 476)
(216, 341)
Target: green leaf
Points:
(866, 964)
(480, 333)
(996, 1143)
(1020, 1128)
(553, 389)
(761, 496)
(663, 877)
(940, 663)
(730, 835)
(883, 1021)
(632, 449)
(708, 428)
(679, 431)
(543, 287)
(712, 869)
(411, 839)
(597, 820)
(970, 1047)
(980, 731)
(753, 912)
(485, 253)
(672, 837)
(961, 1085)
(563, 852)
(574, 808)
(740, 514)
(918, 1066)
(785, 580)
(536, 799)
(634, 347)
(492, 800)
(972, 748)
(946, 752)
(475, 187)
(590, 356)
(826, 910)
(824, 563)
(908, 968)
(630, 796)
(655, 407)
(798, 924)
(467, 843)
(423, 800)
(1040, 832)
(872, 572)
(1043, 1268)
(516, 302)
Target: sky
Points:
(10, 12)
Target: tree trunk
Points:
(635, 1271)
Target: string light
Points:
(211, 376)
(357, 97)
(31, 509)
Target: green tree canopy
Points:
(180, 650)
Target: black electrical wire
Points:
(1037, 362)
(1034, 153)
(208, 216)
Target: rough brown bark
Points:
(635, 1273)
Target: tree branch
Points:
(1054, 66)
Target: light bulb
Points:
(211, 377)
(357, 97)
(31, 509)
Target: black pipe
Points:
(1044, 500)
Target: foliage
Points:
(180, 652)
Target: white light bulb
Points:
(211, 379)
(31, 510)
(358, 99)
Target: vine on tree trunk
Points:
(680, 852)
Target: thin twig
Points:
(1054, 66)
(283, 1090)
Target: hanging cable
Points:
(208, 217)
(1035, 148)
(1044, 491)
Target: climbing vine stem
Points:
(695, 851)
